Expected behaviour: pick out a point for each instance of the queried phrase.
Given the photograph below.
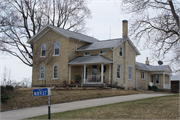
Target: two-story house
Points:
(59, 54)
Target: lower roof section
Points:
(90, 60)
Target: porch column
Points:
(84, 73)
(69, 74)
(109, 73)
(102, 73)
(163, 81)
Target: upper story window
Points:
(157, 80)
(56, 48)
(86, 54)
(43, 50)
(55, 71)
(129, 73)
(121, 51)
(101, 52)
(142, 75)
(118, 71)
(42, 72)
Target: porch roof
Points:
(90, 60)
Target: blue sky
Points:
(106, 23)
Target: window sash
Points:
(56, 48)
(43, 49)
(55, 71)
(118, 71)
(142, 75)
(121, 51)
(42, 72)
(129, 73)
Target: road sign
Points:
(41, 92)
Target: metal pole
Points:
(49, 107)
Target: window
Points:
(157, 79)
(55, 71)
(152, 79)
(42, 72)
(130, 73)
(121, 51)
(101, 52)
(43, 50)
(142, 75)
(86, 54)
(56, 48)
(118, 71)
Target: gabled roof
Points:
(90, 60)
(66, 33)
(145, 67)
(103, 44)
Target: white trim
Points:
(54, 49)
(122, 51)
(141, 75)
(57, 72)
(102, 71)
(40, 73)
(84, 74)
(119, 71)
(39, 36)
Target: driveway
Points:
(36, 111)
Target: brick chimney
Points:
(147, 61)
(124, 28)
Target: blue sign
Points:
(41, 92)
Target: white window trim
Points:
(54, 49)
(159, 80)
(87, 55)
(53, 72)
(141, 75)
(102, 53)
(40, 73)
(117, 71)
(41, 51)
(131, 72)
(122, 51)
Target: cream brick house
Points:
(58, 55)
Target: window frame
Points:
(102, 53)
(120, 51)
(143, 75)
(158, 80)
(87, 54)
(119, 71)
(40, 77)
(57, 71)
(42, 50)
(55, 49)
(129, 73)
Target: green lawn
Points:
(166, 107)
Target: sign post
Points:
(44, 92)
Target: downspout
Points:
(113, 53)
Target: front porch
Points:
(92, 73)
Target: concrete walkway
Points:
(36, 111)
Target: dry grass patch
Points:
(24, 98)
(166, 107)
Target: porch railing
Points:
(93, 78)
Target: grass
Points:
(23, 98)
(165, 107)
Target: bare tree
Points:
(156, 23)
(22, 19)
